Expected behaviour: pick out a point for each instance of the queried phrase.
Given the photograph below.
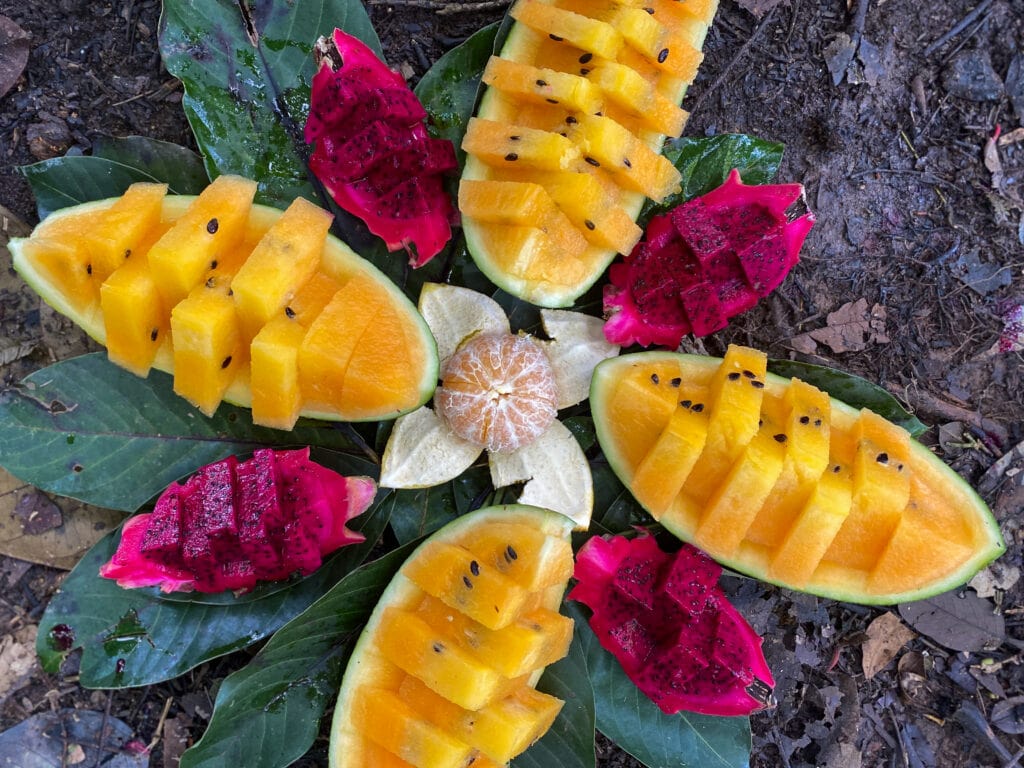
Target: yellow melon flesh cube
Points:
(134, 319)
(735, 393)
(67, 265)
(634, 165)
(311, 298)
(529, 253)
(500, 730)
(213, 225)
(590, 207)
(881, 491)
(363, 752)
(529, 557)
(813, 530)
(731, 509)
(274, 373)
(502, 145)
(638, 413)
(542, 85)
(453, 575)
(663, 471)
(332, 337)
(657, 43)
(284, 259)
(627, 88)
(410, 643)
(124, 226)
(683, 13)
(207, 347)
(807, 453)
(587, 34)
(383, 717)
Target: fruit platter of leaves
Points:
(90, 430)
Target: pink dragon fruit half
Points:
(232, 524)
(373, 153)
(704, 262)
(670, 626)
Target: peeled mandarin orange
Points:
(498, 391)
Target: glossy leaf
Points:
(705, 163)
(268, 713)
(421, 511)
(852, 390)
(246, 68)
(636, 724)
(134, 637)
(87, 429)
(114, 164)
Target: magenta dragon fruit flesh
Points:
(372, 151)
(670, 626)
(704, 262)
(233, 524)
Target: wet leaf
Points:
(246, 69)
(267, 714)
(87, 429)
(959, 620)
(115, 163)
(68, 737)
(1008, 715)
(421, 511)
(636, 724)
(15, 44)
(886, 637)
(132, 637)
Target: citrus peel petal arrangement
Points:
(433, 653)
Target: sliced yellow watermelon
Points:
(240, 302)
(774, 478)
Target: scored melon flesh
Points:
(125, 227)
(134, 318)
(207, 347)
(454, 689)
(836, 502)
(276, 394)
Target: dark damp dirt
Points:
(902, 119)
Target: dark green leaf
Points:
(852, 390)
(632, 721)
(88, 429)
(268, 713)
(421, 511)
(705, 163)
(570, 741)
(246, 68)
(159, 639)
(113, 165)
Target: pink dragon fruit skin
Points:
(703, 263)
(233, 524)
(670, 626)
(373, 153)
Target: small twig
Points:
(728, 67)
(965, 22)
(158, 731)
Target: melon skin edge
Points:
(474, 169)
(601, 385)
(401, 589)
(336, 255)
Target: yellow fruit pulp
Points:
(240, 302)
(774, 478)
(581, 88)
(451, 684)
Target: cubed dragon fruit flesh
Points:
(704, 262)
(232, 524)
(372, 151)
(670, 626)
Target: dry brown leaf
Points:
(757, 7)
(14, 49)
(886, 636)
(18, 660)
(36, 529)
(850, 328)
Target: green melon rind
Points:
(337, 256)
(541, 294)
(401, 590)
(602, 385)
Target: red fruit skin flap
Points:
(670, 626)
(234, 524)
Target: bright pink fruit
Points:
(235, 523)
(670, 626)
(373, 153)
(704, 262)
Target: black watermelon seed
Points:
(555, 37)
(625, 162)
(127, 253)
(438, 647)
(213, 264)
(210, 282)
(511, 157)
(650, 11)
(697, 407)
(593, 162)
(686, 403)
(474, 567)
(805, 419)
(662, 55)
(289, 312)
(88, 269)
(835, 469)
(514, 138)
(586, 57)
(511, 552)
(733, 376)
(571, 120)
(780, 438)
(467, 582)
(676, 381)
(153, 334)
(542, 83)
(584, 71)
(589, 224)
(551, 101)
(882, 458)
(817, 422)
(227, 362)
(212, 226)
(757, 384)
(654, 378)
(749, 374)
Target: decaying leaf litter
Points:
(912, 160)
